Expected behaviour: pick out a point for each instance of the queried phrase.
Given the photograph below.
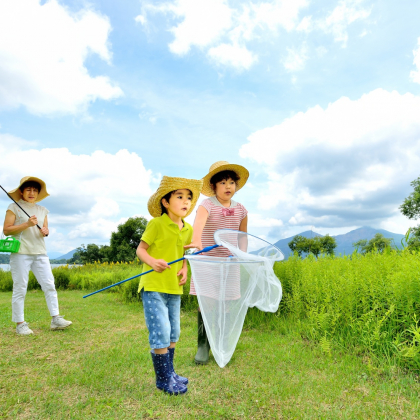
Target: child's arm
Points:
(199, 223)
(157, 265)
(243, 240)
(9, 221)
(243, 227)
(183, 272)
(44, 230)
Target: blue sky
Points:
(319, 100)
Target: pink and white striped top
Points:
(220, 217)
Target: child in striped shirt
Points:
(218, 211)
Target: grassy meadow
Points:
(344, 344)
(100, 368)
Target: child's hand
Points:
(197, 245)
(159, 265)
(45, 231)
(183, 273)
(32, 221)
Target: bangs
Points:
(224, 176)
(30, 184)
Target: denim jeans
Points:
(162, 314)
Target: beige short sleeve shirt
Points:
(31, 239)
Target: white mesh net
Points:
(227, 286)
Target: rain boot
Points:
(202, 356)
(171, 351)
(164, 379)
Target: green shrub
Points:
(6, 282)
(33, 283)
(62, 278)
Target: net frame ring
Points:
(219, 242)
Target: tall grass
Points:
(370, 303)
(96, 276)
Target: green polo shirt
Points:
(166, 242)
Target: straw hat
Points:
(169, 184)
(220, 166)
(17, 195)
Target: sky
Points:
(319, 100)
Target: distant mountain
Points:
(53, 255)
(345, 241)
(63, 257)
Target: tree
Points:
(328, 244)
(411, 209)
(297, 244)
(377, 243)
(90, 254)
(411, 205)
(126, 239)
(75, 259)
(317, 245)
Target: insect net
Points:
(227, 286)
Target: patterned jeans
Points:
(162, 314)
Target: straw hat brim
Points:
(169, 184)
(241, 171)
(17, 195)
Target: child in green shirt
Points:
(162, 241)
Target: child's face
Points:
(179, 203)
(225, 189)
(30, 194)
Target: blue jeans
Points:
(162, 314)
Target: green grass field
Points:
(100, 368)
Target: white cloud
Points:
(343, 15)
(258, 221)
(415, 75)
(220, 27)
(203, 21)
(43, 48)
(90, 194)
(232, 55)
(348, 164)
(305, 25)
(296, 59)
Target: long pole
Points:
(208, 248)
(19, 206)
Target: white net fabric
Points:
(227, 286)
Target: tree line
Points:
(125, 240)
(122, 247)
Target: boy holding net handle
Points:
(164, 240)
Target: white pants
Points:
(20, 265)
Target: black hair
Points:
(223, 176)
(30, 184)
(167, 198)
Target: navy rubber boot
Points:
(164, 379)
(178, 378)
